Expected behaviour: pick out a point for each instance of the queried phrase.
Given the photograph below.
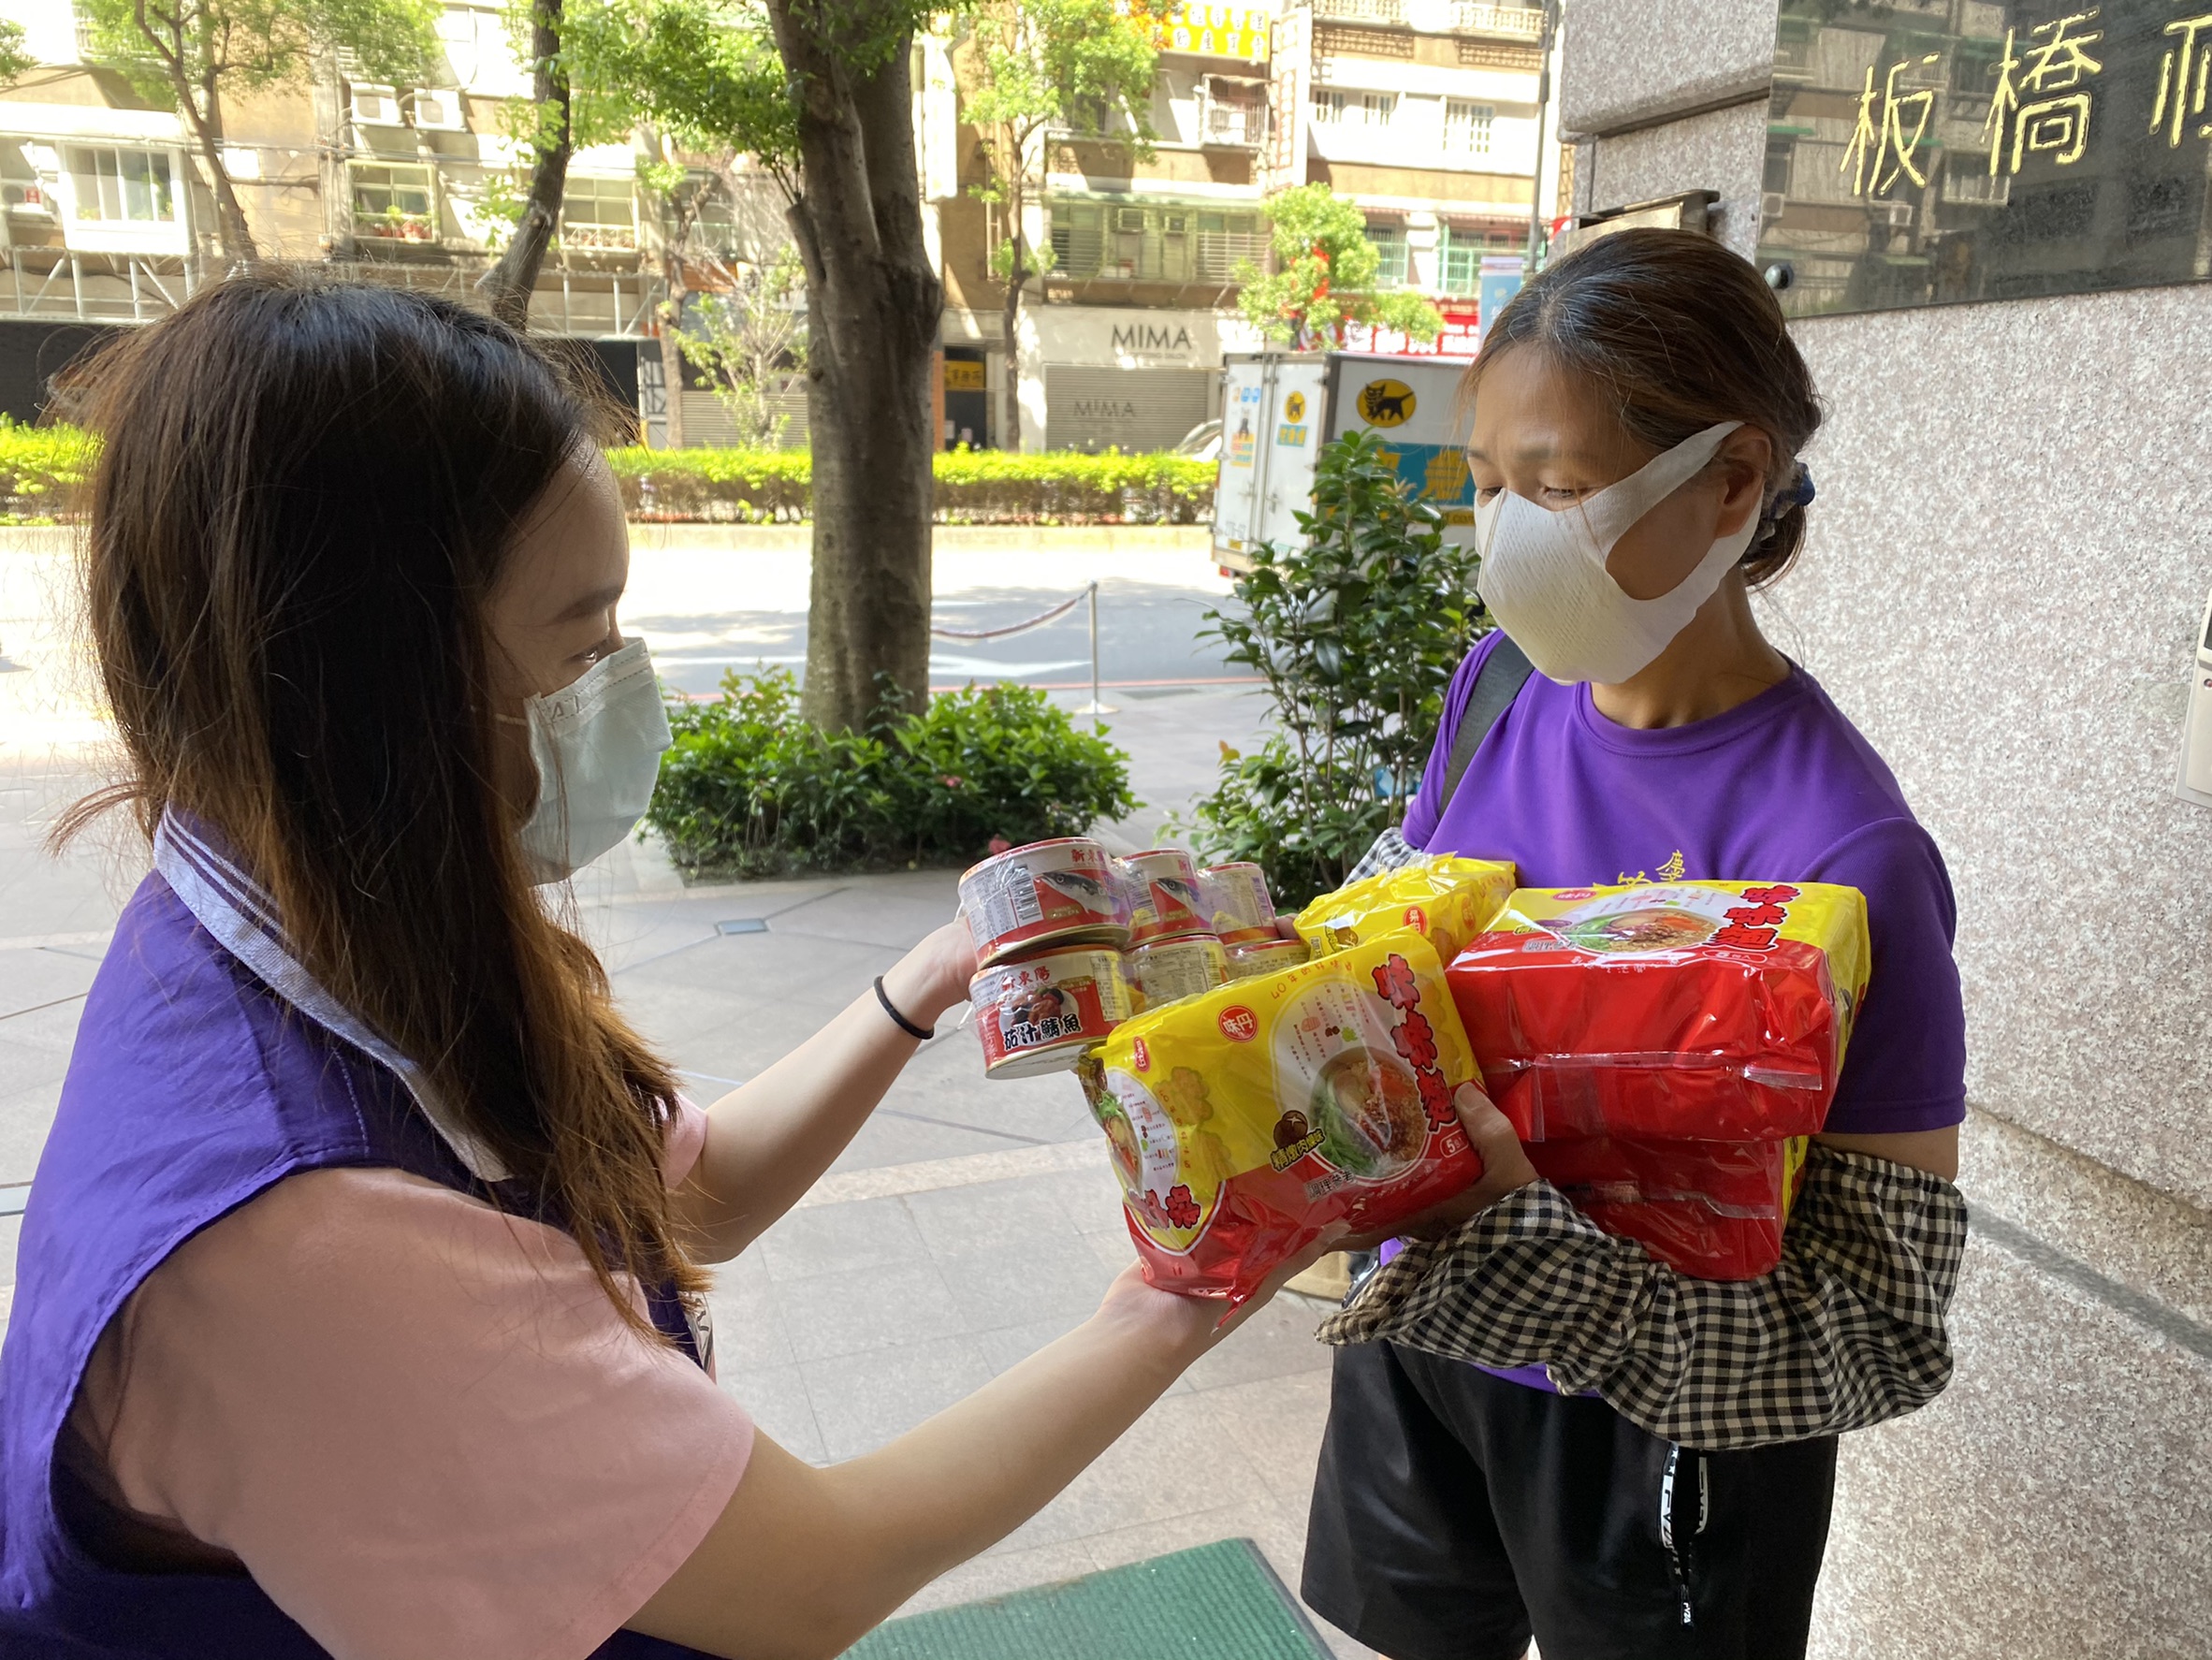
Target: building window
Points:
(395, 201)
(1389, 241)
(1342, 108)
(1467, 128)
(1459, 260)
(117, 186)
(601, 215)
(1152, 243)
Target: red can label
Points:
(1039, 1015)
(1163, 895)
(1046, 892)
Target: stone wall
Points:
(2000, 584)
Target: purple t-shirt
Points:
(1779, 789)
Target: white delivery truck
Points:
(1278, 408)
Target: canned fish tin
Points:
(1164, 895)
(1237, 900)
(1049, 893)
(1044, 1013)
(1171, 968)
(1265, 956)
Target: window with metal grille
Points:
(1327, 105)
(599, 213)
(1226, 240)
(1375, 108)
(1459, 260)
(122, 186)
(1077, 239)
(396, 200)
(1468, 126)
(1389, 241)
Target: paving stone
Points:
(863, 1401)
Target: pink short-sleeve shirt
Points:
(415, 1420)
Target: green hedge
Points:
(750, 789)
(973, 486)
(39, 466)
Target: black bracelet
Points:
(903, 1023)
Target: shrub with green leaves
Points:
(973, 486)
(40, 468)
(750, 789)
(1357, 634)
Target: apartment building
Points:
(109, 217)
(1424, 113)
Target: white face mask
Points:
(597, 744)
(1544, 574)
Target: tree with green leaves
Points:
(15, 59)
(192, 55)
(750, 339)
(819, 93)
(1034, 68)
(1324, 276)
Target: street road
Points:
(706, 612)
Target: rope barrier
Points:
(996, 634)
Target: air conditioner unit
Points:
(375, 106)
(1129, 218)
(1897, 215)
(439, 109)
(1772, 204)
(1174, 223)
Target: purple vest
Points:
(194, 1086)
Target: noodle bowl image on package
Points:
(1244, 1123)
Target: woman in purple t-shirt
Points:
(1637, 1462)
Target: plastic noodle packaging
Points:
(1449, 900)
(1712, 1011)
(1665, 1051)
(1714, 1210)
(1245, 1121)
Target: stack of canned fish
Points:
(1073, 942)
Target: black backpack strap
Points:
(1497, 683)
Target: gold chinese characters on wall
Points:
(1960, 149)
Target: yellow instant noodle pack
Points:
(1446, 900)
(1246, 1121)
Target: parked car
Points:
(1203, 441)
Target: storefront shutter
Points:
(1132, 410)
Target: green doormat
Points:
(1218, 1602)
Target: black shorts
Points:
(1456, 1514)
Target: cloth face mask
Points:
(1544, 574)
(597, 744)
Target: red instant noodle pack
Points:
(1665, 1051)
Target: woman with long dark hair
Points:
(357, 1298)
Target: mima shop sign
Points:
(1142, 339)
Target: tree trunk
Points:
(1011, 427)
(509, 284)
(204, 111)
(873, 303)
(672, 354)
